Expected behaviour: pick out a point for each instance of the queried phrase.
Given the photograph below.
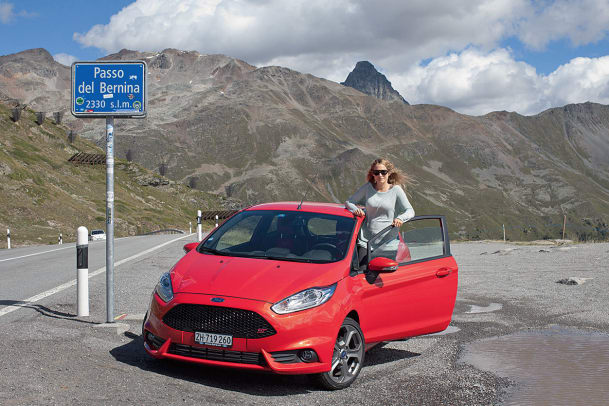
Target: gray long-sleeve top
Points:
(381, 208)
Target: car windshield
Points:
(97, 232)
(283, 235)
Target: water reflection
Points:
(552, 367)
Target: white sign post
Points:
(109, 89)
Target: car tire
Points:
(347, 357)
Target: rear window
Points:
(97, 232)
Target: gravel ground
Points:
(50, 356)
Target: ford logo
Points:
(217, 299)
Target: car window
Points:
(240, 233)
(286, 235)
(384, 244)
(415, 240)
(424, 238)
(322, 226)
(97, 232)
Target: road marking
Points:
(37, 253)
(40, 296)
(70, 245)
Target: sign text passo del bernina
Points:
(109, 88)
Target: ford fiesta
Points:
(279, 287)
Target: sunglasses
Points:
(381, 172)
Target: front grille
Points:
(239, 357)
(221, 320)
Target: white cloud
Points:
(65, 59)
(476, 83)
(580, 80)
(6, 13)
(582, 22)
(262, 31)
(459, 41)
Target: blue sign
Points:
(109, 88)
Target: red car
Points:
(279, 287)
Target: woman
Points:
(384, 199)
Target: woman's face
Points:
(380, 173)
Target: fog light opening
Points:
(308, 356)
(153, 341)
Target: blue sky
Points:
(474, 56)
(52, 24)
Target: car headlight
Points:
(164, 288)
(306, 299)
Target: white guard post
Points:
(216, 221)
(8, 238)
(199, 230)
(82, 272)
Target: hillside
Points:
(42, 194)
(271, 133)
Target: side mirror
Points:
(382, 265)
(190, 246)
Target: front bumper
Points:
(313, 329)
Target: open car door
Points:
(419, 296)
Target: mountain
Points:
(43, 195)
(271, 133)
(365, 78)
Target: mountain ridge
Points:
(365, 78)
(271, 133)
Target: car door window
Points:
(424, 238)
(384, 244)
(419, 239)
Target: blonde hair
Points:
(395, 176)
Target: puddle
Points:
(485, 309)
(552, 367)
(449, 330)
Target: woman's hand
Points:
(397, 222)
(359, 212)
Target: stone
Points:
(573, 280)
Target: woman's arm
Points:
(403, 208)
(359, 197)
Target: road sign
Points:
(109, 89)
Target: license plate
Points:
(217, 340)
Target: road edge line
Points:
(57, 289)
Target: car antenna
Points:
(303, 197)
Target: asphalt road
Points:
(50, 356)
(32, 272)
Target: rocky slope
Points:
(269, 133)
(43, 195)
(368, 80)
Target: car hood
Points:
(250, 278)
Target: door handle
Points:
(442, 272)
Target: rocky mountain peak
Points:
(367, 79)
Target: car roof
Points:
(312, 207)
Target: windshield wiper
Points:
(287, 259)
(210, 250)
